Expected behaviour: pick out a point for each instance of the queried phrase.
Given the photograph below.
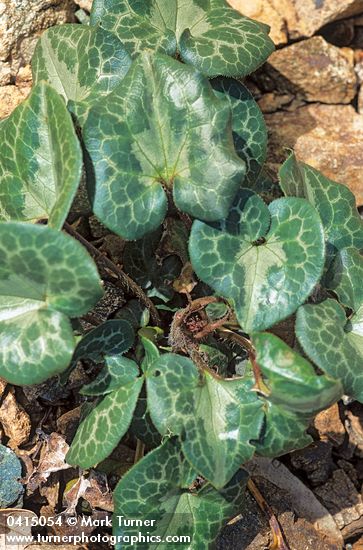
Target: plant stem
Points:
(124, 280)
(278, 542)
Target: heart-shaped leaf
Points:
(45, 278)
(154, 489)
(267, 260)
(84, 64)
(296, 394)
(215, 418)
(335, 203)
(345, 277)
(101, 431)
(208, 34)
(172, 136)
(248, 125)
(40, 160)
(113, 337)
(334, 342)
(292, 381)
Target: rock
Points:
(341, 498)
(22, 21)
(360, 101)
(328, 137)
(330, 426)
(10, 97)
(271, 102)
(14, 420)
(270, 12)
(353, 424)
(5, 73)
(84, 4)
(311, 15)
(313, 70)
(315, 461)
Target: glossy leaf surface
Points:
(333, 342)
(215, 418)
(82, 63)
(208, 34)
(335, 203)
(118, 371)
(162, 130)
(40, 160)
(154, 489)
(292, 380)
(100, 432)
(113, 337)
(267, 260)
(346, 276)
(45, 278)
(248, 125)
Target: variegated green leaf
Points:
(215, 418)
(334, 342)
(335, 203)
(283, 431)
(154, 489)
(113, 337)
(118, 371)
(208, 34)
(100, 432)
(40, 160)
(142, 427)
(248, 125)
(45, 278)
(292, 381)
(84, 64)
(267, 260)
(345, 277)
(172, 136)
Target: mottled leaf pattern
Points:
(248, 125)
(267, 260)
(215, 418)
(111, 338)
(208, 34)
(40, 160)
(292, 380)
(333, 342)
(345, 278)
(154, 489)
(169, 409)
(282, 432)
(118, 371)
(82, 63)
(103, 428)
(45, 278)
(334, 202)
(162, 130)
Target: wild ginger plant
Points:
(148, 102)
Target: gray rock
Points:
(21, 23)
